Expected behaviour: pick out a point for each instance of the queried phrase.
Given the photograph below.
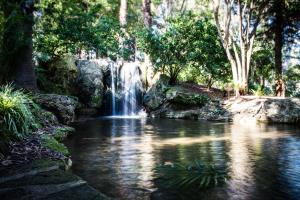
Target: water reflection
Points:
(118, 156)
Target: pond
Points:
(119, 157)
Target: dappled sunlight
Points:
(204, 139)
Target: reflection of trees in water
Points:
(118, 156)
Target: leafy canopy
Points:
(187, 42)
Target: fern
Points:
(195, 176)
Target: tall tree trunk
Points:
(278, 37)
(123, 23)
(123, 13)
(147, 13)
(17, 43)
(238, 47)
(279, 20)
(147, 23)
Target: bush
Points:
(292, 78)
(16, 117)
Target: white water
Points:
(113, 89)
(130, 80)
(126, 83)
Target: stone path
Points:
(45, 180)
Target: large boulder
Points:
(156, 95)
(166, 101)
(90, 84)
(269, 110)
(62, 106)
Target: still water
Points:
(118, 157)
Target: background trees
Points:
(237, 22)
(282, 26)
(183, 46)
(188, 42)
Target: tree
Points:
(68, 27)
(262, 64)
(147, 13)
(187, 42)
(237, 22)
(123, 13)
(17, 48)
(282, 25)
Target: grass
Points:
(196, 176)
(62, 132)
(16, 117)
(51, 143)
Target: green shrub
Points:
(191, 177)
(292, 78)
(258, 92)
(51, 143)
(16, 117)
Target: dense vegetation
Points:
(187, 43)
(17, 117)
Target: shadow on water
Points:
(118, 157)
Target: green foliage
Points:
(70, 26)
(61, 133)
(192, 177)
(292, 79)
(51, 143)
(259, 91)
(16, 117)
(262, 63)
(188, 42)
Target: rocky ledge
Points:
(265, 109)
(44, 179)
(184, 101)
(191, 101)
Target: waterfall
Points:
(130, 82)
(113, 89)
(126, 86)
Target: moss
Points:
(96, 100)
(51, 143)
(61, 133)
(57, 75)
(177, 95)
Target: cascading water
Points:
(130, 82)
(113, 89)
(126, 85)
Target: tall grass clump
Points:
(16, 115)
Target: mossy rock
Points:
(180, 96)
(52, 144)
(45, 118)
(60, 133)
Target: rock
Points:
(156, 95)
(90, 81)
(58, 75)
(44, 179)
(46, 118)
(183, 96)
(62, 106)
(269, 110)
(179, 102)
